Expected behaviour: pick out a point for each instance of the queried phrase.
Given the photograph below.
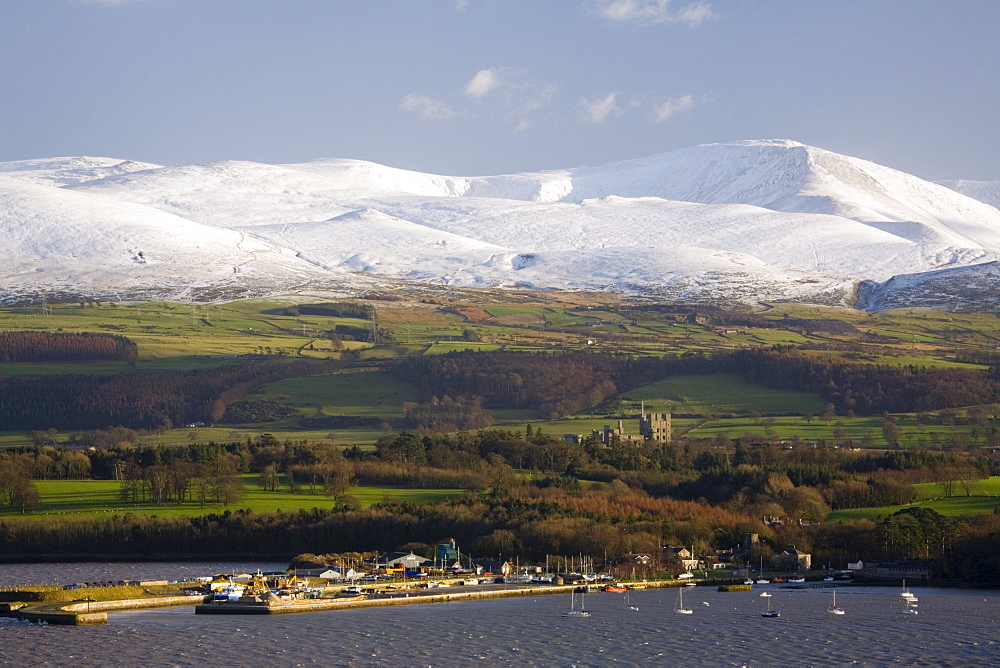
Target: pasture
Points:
(89, 499)
(719, 393)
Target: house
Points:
(491, 566)
(793, 560)
(683, 556)
(632, 560)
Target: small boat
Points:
(796, 579)
(907, 595)
(614, 587)
(828, 578)
(770, 612)
(834, 610)
(690, 584)
(765, 594)
(573, 612)
(680, 609)
(627, 604)
(763, 582)
(748, 582)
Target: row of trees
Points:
(65, 347)
(562, 384)
(138, 400)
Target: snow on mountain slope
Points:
(372, 242)
(975, 288)
(987, 192)
(70, 171)
(773, 218)
(65, 241)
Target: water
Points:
(954, 628)
(99, 571)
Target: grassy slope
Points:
(178, 336)
(97, 498)
(985, 499)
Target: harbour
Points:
(955, 628)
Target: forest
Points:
(139, 400)
(65, 346)
(563, 384)
(440, 420)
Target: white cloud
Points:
(511, 93)
(670, 108)
(599, 109)
(483, 83)
(461, 5)
(652, 12)
(426, 105)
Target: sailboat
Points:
(626, 604)
(770, 612)
(680, 609)
(907, 595)
(761, 580)
(834, 610)
(573, 612)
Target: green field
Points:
(96, 498)
(175, 336)
(720, 393)
(956, 506)
(985, 499)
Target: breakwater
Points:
(84, 613)
(399, 597)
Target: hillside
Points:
(744, 221)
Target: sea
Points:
(952, 628)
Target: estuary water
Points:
(953, 628)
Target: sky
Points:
(479, 87)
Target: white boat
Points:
(834, 610)
(230, 591)
(748, 582)
(627, 603)
(573, 612)
(765, 594)
(796, 579)
(906, 594)
(680, 609)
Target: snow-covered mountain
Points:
(744, 221)
(984, 191)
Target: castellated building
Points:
(652, 427)
(655, 427)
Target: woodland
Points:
(523, 490)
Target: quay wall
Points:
(77, 613)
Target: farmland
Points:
(90, 499)
(174, 336)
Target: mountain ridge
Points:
(741, 221)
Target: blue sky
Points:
(470, 87)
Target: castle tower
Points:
(655, 427)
